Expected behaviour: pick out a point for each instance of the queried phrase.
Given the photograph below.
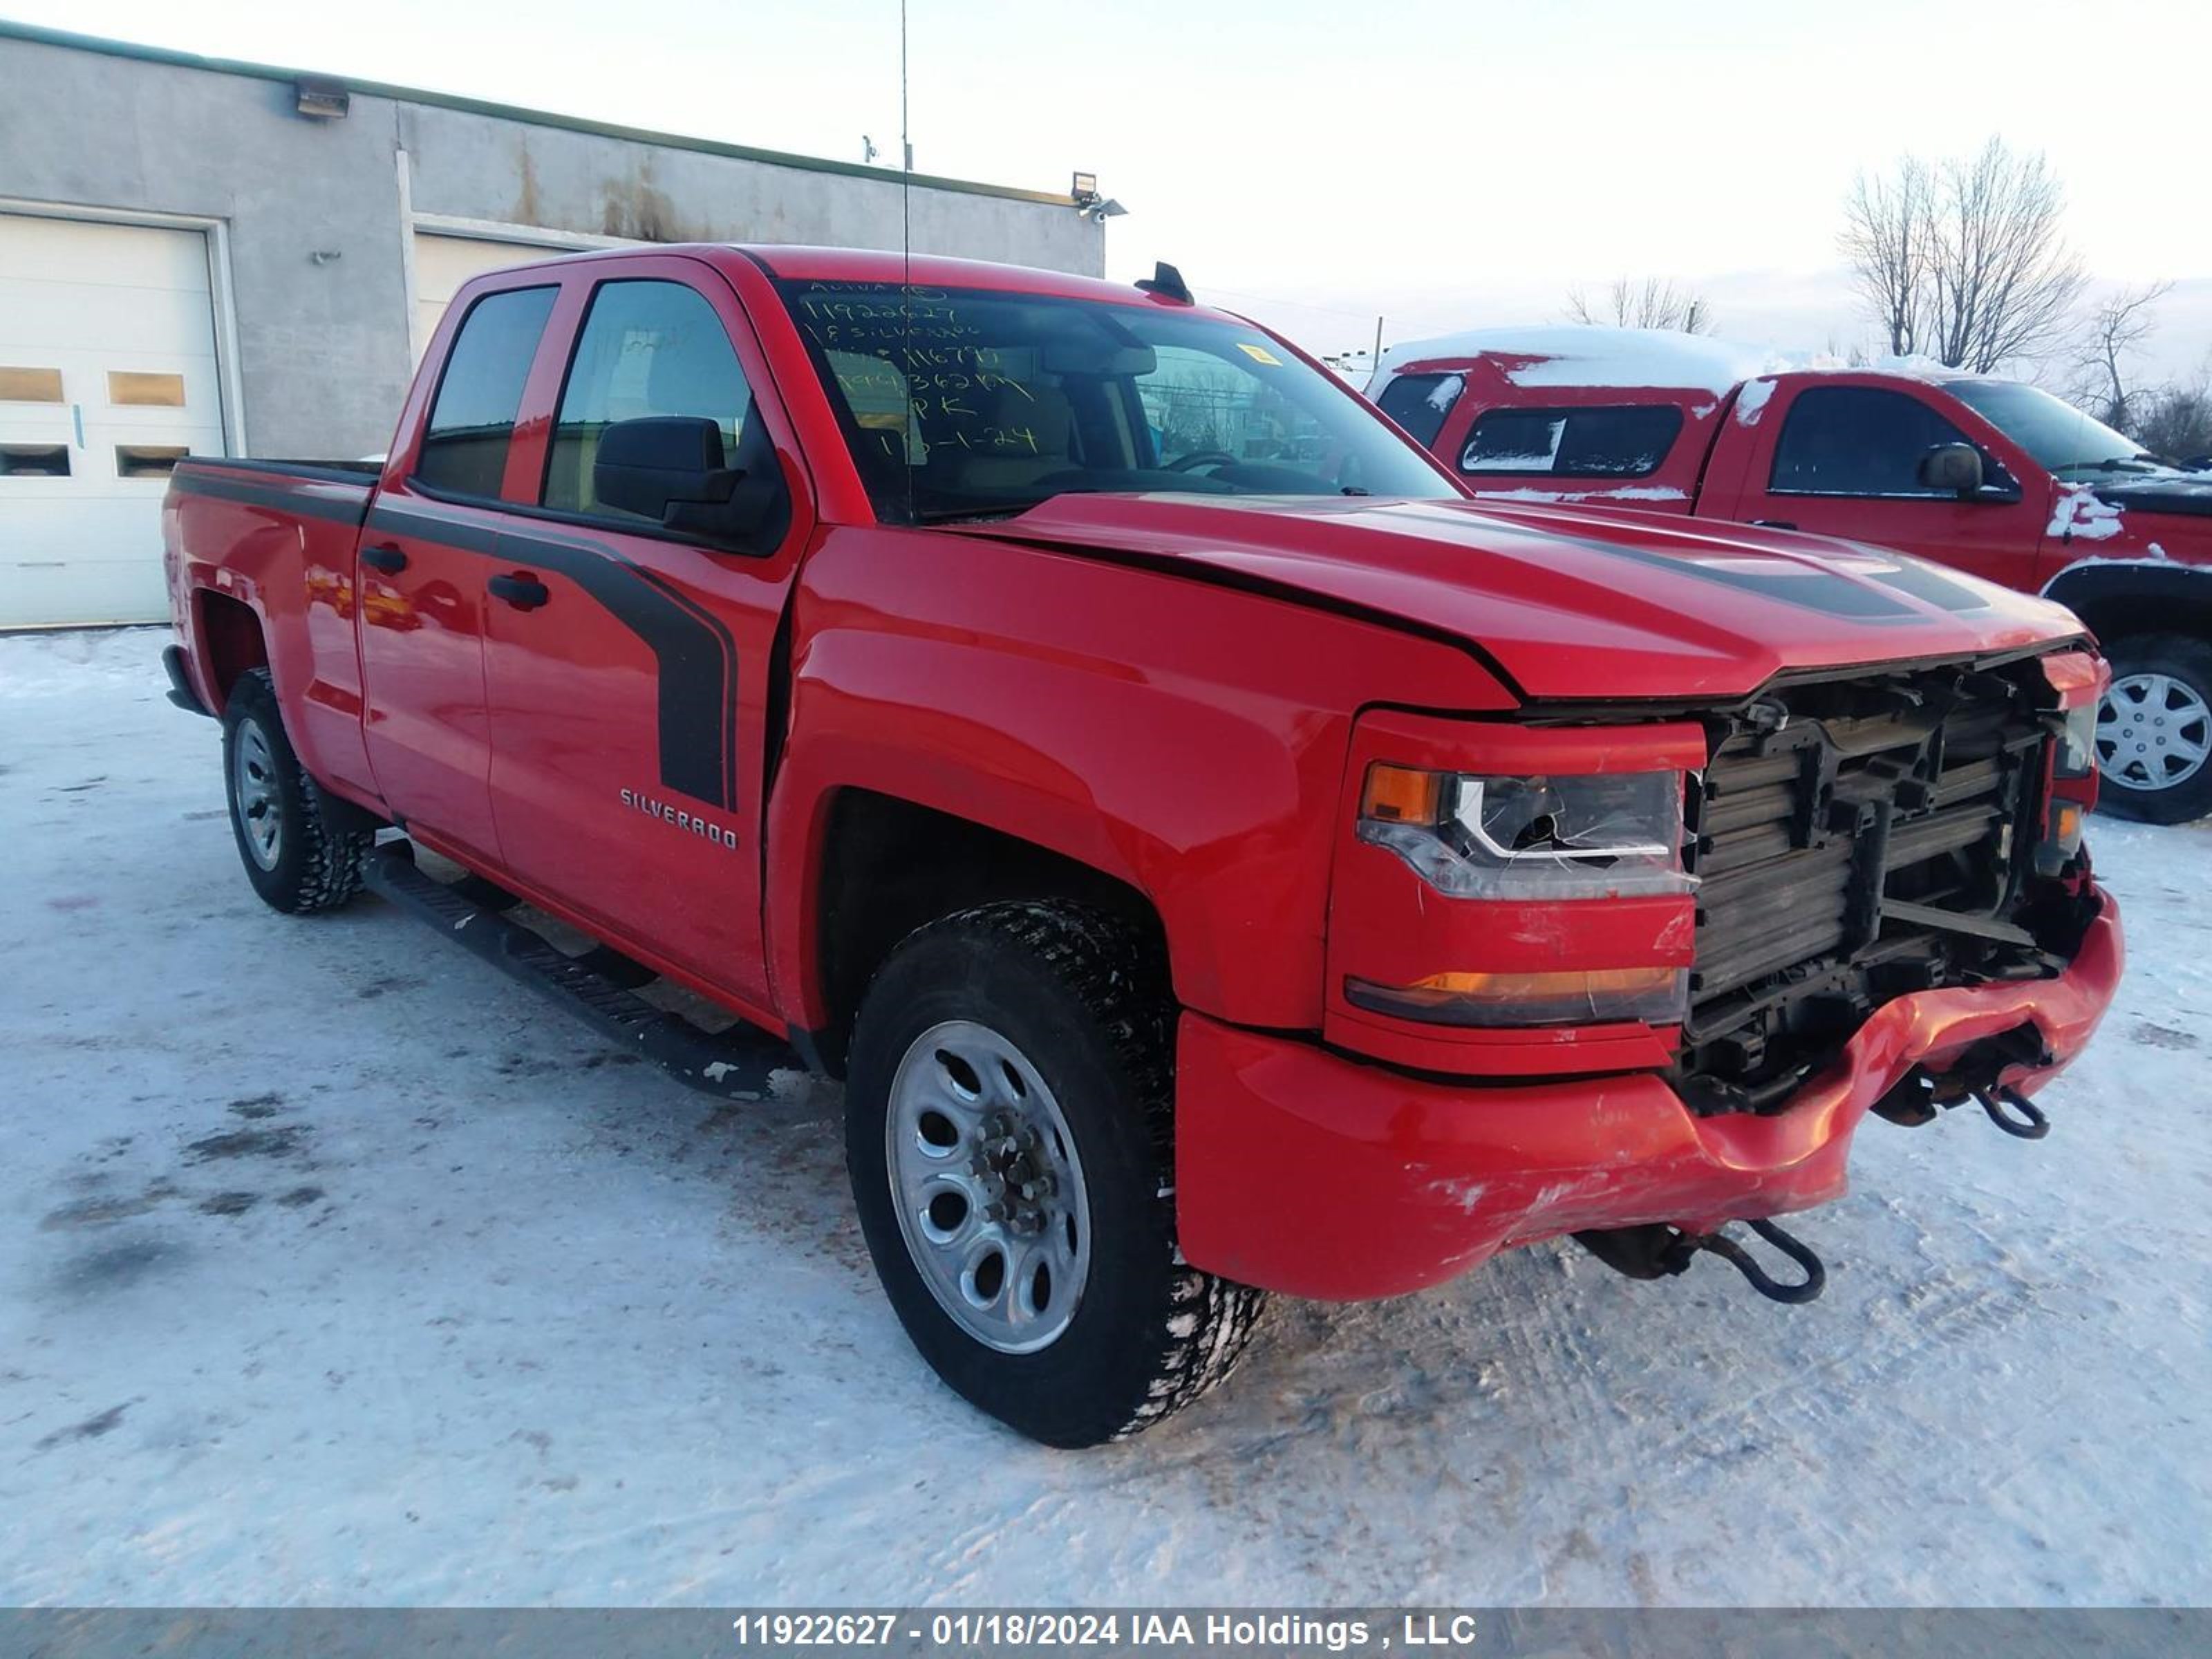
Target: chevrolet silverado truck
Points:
(1984, 474)
(1218, 855)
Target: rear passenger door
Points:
(423, 555)
(628, 703)
(1844, 460)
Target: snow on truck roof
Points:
(1575, 355)
(1578, 354)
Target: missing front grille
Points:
(1868, 842)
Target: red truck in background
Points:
(1218, 854)
(1985, 474)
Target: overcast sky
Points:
(1448, 163)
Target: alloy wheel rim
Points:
(2154, 731)
(988, 1187)
(253, 784)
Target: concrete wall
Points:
(322, 344)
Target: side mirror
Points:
(645, 466)
(1953, 467)
(672, 468)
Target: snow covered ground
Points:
(335, 1267)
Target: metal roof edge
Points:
(38, 35)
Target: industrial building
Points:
(200, 256)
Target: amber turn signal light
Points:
(1400, 794)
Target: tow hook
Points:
(1816, 1275)
(1920, 1096)
(2001, 1102)
(1657, 1251)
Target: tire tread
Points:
(333, 856)
(1118, 971)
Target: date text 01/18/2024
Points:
(1082, 1630)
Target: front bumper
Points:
(1301, 1170)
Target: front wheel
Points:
(1007, 1133)
(2154, 730)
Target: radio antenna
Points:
(906, 434)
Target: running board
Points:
(600, 986)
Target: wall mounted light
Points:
(321, 101)
(1083, 190)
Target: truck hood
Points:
(2184, 495)
(1576, 604)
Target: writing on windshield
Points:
(972, 402)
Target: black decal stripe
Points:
(697, 663)
(447, 529)
(697, 655)
(1810, 587)
(1932, 587)
(726, 706)
(1807, 586)
(280, 497)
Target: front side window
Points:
(968, 403)
(1627, 440)
(1859, 441)
(472, 418)
(646, 349)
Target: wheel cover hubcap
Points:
(2154, 731)
(253, 785)
(988, 1187)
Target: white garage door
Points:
(107, 375)
(442, 263)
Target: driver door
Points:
(1845, 460)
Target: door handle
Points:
(390, 560)
(1775, 523)
(524, 593)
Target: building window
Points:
(30, 385)
(646, 349)
(1624, 440)
(35, 461)
(472, 420)
(152, 391)
(148, 460)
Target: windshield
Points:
(965, 403)
(2053, 431)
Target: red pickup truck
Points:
(1218, 855)
(1987, 475)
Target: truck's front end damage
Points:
(1634, 979)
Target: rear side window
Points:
(472, 418)
(647, 348)
(1858, 440)
(1420, 403)
(1624, 440)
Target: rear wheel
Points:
(2154, 730)
(302, 851)
(1007, 1132)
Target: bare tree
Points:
(1965, 260)
(2176, 421)
(1654, 303)
(2113, 339)
(1889, 234)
